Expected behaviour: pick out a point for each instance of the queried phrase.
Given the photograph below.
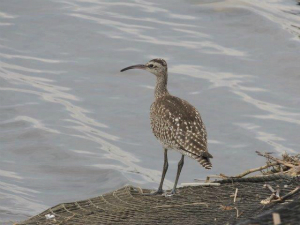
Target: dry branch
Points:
(268, 156)
(255, 170)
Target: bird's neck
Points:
(161, 86)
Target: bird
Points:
(175, 123)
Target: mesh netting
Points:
(191, 205)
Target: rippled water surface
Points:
(73, 127)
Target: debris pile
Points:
(273, 197)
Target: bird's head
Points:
(156, 66)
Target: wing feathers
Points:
(178, 125)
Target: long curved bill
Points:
(140, 66)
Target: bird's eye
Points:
(150, 66)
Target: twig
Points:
(270, 188)
(291, 169)
(287, 195)
(275, 197)
(223, 207)
(221, 176)
(268, 200)
(275, 159)
(295, 171)
(237, 212)
(276, 219)
(236, 191)
(277, 193)
(255, 170)
(140, 190)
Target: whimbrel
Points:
(175, 123)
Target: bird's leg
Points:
(180, 165)
(165, 168)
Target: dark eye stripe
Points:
(160, 61)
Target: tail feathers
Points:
(205, 154)
(205, 162)
(202, 157)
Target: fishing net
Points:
(191, 205)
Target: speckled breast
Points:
(161, 126)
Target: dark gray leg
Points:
(180, 165)
(165, 168)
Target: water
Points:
(73, 126)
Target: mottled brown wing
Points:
(177, 124)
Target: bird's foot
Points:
(170, 194)
(158, 192)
